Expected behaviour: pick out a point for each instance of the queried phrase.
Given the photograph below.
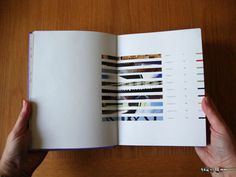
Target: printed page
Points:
(65, 86)
(160, 88)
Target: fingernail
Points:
(207, 100)
(24, 104)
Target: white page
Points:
(181, 121)
(65, 84)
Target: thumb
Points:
(21, 124)
(213, 116)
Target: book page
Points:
(65, 88)
(161, 85)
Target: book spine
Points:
(30, 62)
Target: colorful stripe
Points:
(132, 57)
(133, 118)
(135, 97)
(132, 90)
(133, 104)
(131, 64)
(140, 83)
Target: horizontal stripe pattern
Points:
(138, 80)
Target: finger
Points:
(23, 118)
(213, 116)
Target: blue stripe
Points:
(156, 103)
(157, 76)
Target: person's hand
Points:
(16, 160)
(221, 152)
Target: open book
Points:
(93, 89)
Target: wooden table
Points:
(218, 22)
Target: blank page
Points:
(65, 88)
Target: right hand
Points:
(221, 152)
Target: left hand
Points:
(16, 159)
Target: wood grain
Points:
(216, 18)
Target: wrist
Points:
(3, 172)
(231, 165)
(229, 171)
(8, 172)
(224, 174)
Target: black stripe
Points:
(135, 97)
(109, 111)
(201, 95)
(109, 64)
(109, 71)
(138, 76)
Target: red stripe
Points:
(199, 60)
